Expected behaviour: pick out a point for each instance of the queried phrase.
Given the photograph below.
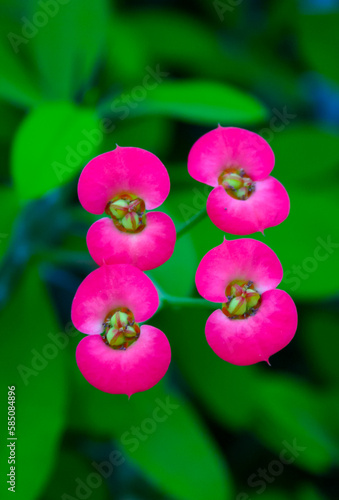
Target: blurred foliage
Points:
(79, 77)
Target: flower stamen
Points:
(128, 213)
(237, 183)
(121, 330)
(243, 300)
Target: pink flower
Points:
(127, 358)
(237, 163)
(125, 183)
(255, 320)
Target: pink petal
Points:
(226, 147)
(268, 206)
(146, 250)
(124, 170)
(248, 341)
(244, 259)
(138, 368)
(111, 287)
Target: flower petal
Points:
(124, 170)
(248, 341)
(226, 147)
(244, 259)
(111, 287)
(138, 368)
(268, 206)
(146, 250)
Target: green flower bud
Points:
(131, 221)
(119, 319)
(237, 306)
(114, 208)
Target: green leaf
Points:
(320, 342)
(320, 50)
(152, 133)
(202, 102)
(227, 391)
(68, 48)
(17, 82)
(74, 473)
(51, 146)
(294, 412)
(307, 157)
(175, 450)
(33, 364)
(178, 455)
(307, 245)
(8, 205)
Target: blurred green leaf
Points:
(307, 244)
(320, 341)
(33, 364)
(320, 50)
(182, 42)
(8, 205)
(175, 450)
(11, 118)
(152, 133)
(226, 390)
(178, 456)
(303, 152)
(294, 413)
(51, 146)
(126, 55)
(203, 102)
(68, 47)
(17, 83)
(309, 492)
(70, 474)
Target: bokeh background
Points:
(79, 77)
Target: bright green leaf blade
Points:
(202, 102)
(51, 146)
(68, 48)
(32, 363)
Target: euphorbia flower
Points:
(255, 319)
(125, 183)
(119, 356)
(237, 163)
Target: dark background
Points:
(74, 83)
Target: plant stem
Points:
(186, 226)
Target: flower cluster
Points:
(118, 355)
(255, 320)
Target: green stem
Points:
(187, 226)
